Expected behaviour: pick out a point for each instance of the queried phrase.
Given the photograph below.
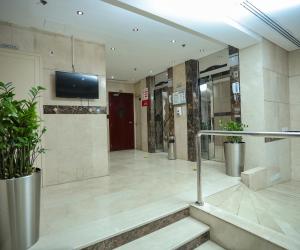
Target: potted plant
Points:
(234, 148)
(20, 179)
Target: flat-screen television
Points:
(76, 85)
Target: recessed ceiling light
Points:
(112, 48)
(173, 41)
(151, 71)
(135, 29)
(112, 77)
(79, 12)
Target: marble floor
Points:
(276, 208)
(140, 187)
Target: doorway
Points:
(121, 121)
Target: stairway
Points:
(186, 233)
(174, 231)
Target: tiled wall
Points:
(180, 122)
(141, 121)
(265, 107)
(294, 83)
(276, 109)
(73, 153)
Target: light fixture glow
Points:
(203, 87)
(112, 77)
(173, 41)
(113, 48)
(79, 12)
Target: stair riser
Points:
(195, 242)
(139, 232)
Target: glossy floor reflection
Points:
(276, 208)
(140, 187)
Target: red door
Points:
(121, 121)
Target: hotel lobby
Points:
(149, 124)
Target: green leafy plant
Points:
(233, 126)
(20, 132)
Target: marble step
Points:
(187, 231)
(209, 245)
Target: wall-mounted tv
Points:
(76, 85)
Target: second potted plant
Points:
(234, 149)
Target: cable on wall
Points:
(73, 51)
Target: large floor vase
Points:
(20, 211)
(234, 158)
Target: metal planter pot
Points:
(234, 158)
(20, 211)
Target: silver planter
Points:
(234, 158)
(20, 211)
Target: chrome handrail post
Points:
(230, 133)
(199, 176)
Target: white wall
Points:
(294, 84)
(276, 110)
(73, 153)
(264, 107)
(142, 125)
(180, 122)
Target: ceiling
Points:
(199, 24)
(149, 51)
(224, 20)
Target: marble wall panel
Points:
(150, 83)
(69, 136)
(171, 107)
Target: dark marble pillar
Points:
(192, 104)
(150, 83)
(171, 107)
(159, 122)
(234, 64)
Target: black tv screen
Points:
(76, 85)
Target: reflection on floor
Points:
(277, 207)
(141, 187)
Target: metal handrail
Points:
(230, 133)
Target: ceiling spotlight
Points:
(150, 71)
(79, 12)
(135, 29)
(43, 2)
(173, 41)
(112, 77)
(113, 48)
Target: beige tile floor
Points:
(140, 187)
(276, 208)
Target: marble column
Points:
(234, 70)
(171, 108)
(159, 122)
(150, 84)
(192, 104)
